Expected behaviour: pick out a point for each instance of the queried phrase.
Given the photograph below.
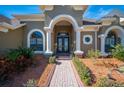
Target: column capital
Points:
(101, 36)
(47, 29)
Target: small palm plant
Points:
(94, 55)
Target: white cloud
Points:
(96, 14)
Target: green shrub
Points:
(52, 59)
(105, 82)
(93, 53)
(20, 58)
(83, 71)
(102, 82)
(17, 60)
(26, 52)
(13, 55)
(121, 69)
(118, 52)
(30, 83)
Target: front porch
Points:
(63, 35)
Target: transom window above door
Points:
(63, 34)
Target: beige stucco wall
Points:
(11, 40)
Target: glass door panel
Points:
(66, 44)
(60, 44)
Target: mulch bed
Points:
(101, 68)
(33, 72)
(46, 77)
(118, 76)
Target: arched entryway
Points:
(63, 37)
(50, 30)
(111, 40)
(113, 35)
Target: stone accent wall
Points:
(85, 47)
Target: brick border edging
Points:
(49, 77)
(80, 84)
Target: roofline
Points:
(30, 17)
(8, 26)
(108, 19)
(16, 15)
(89, 19)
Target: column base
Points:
(79, 53)
(48, 53)
(104, 54)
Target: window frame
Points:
(87, 36)
(29, 36)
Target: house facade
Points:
(62, 29)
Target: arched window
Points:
(36, 40)
(111, 41)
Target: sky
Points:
(98, 11)
(93, 11)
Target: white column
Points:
(48, 49)
(78, 41)
(102, 44)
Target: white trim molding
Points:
(28, 39)
(87, 36)
(61, 18)
(114, 27)
(120, 32)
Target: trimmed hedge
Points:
(83, 71)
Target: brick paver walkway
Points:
(63, 75)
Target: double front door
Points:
(63, 44)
